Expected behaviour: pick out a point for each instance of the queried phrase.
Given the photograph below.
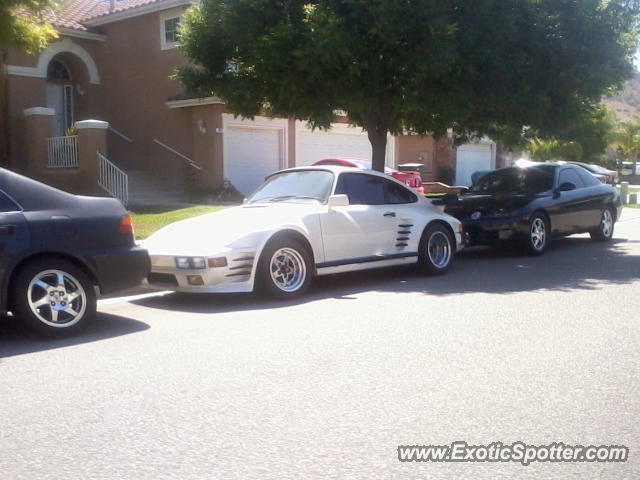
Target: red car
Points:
(409, 178)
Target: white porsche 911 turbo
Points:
(300, 223)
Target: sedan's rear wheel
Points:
(284, 270)
(436, 250)
(604, 231)
(538, 237)
(53, 297)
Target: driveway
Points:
(504, 348)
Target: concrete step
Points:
(151, 188)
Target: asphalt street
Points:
(503, 348)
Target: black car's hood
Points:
(488, 204)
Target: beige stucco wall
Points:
(207, 142)
(135, 73)
(134, 87)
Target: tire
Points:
(537, 239)
(436, 250)
(49, 306)
(285, 269)
(604, 231)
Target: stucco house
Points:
(112, 62)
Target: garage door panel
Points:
(340, 141)
(250, 155)
(470, 159)
(314, 146)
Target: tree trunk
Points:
(378, 139)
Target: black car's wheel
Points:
(604, 231)
(538, 235)
(435, 253)
(285, 269)
(53, 297)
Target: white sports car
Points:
(300, 223)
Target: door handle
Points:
(389, 214)
(6, 229)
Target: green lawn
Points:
(148, 219)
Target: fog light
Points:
(505, 234)
(218, 262)
(194, 280)
(182, 262)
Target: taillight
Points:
(126, 225)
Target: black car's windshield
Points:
(294, 186)
(516, 180)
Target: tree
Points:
(483, 67)
(626, 137)
(22, 26)
(586, 139)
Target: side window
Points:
(7, 205)
(397, 194)
(569, 175)
(588, 179)
(362, 189)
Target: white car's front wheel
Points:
(285, 269)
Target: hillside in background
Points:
(627, 104)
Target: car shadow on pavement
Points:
(15, 340)
(574, 263)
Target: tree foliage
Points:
(22, 26)
(626, 138)
(585, 139)
(482, 67)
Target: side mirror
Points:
(338, 201)
(566, 187)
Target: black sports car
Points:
(531, 205)
(55, 247)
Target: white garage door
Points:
(472, 158)
(250, 154)
(340, 141)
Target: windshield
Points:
(516, 180)
(292, 186)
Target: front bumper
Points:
(462, 240)
(236, 276)
(491, 230)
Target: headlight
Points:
(182, 262)
(191, 263)
(198, 263)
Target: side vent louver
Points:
(404, 234)
(240, 268)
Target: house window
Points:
(171, 30)
(57, 72)
(169, 22)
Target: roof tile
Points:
(72, 13)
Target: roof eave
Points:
(134, 12)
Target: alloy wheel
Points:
(56, 298)
(538, 233)
(439, 249)
(288, 269)
(606, 224)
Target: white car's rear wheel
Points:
(436, 250)
(285, 269)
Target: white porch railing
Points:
(112, 179)
(63, 152)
